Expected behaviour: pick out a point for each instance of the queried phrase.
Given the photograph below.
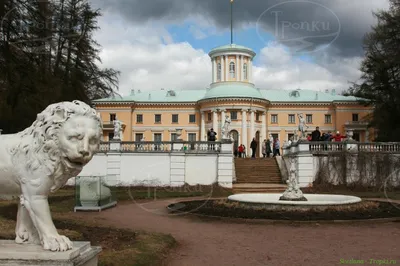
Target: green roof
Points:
(232, 47)
(227, 90)
(233, 89)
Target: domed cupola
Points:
(232, 63)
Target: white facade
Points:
(163, 168)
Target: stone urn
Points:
(350, 134)
(179, 134)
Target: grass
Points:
(120, 246)
(354, 191)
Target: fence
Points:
(327, 147)
(164, 146)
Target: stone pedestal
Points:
(115, 145)
(178, 146)
(13, 254)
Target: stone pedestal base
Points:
(292, 199)
(13, 254)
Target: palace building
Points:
(254, 112)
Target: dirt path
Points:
(209, 243)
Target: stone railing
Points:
(163, 146)
(315, 147)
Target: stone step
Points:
(258, 188)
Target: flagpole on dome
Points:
(231, 21)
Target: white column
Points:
(237, 68)
(213, 70)
(203, 127)
(250, 70)
(252, 133)
(241, 67)
(244, 129)
(215, 120)
(222, 68)
(263, 129)
(227, 67)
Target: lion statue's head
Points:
(62, 139)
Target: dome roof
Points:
(232, 48)
(233, 89)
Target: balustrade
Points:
(165, 146)
(327, 147)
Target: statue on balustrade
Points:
(117, 130)
(226, 128)
(302, 126)
(39, 160)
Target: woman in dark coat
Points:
(253, 146)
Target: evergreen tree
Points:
(47, 55)
(381, 73)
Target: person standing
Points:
(264, 148)
(253, 146)
(240, 151)
(268, 148)
(212, 136)
(316, 135)
(277, 147)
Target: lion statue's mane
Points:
(39, 143)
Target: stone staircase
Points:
(258, 175)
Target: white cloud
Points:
(149, 60)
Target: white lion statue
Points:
(40, 160)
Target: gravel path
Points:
(233, 242)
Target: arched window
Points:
(244, 71)
(219, 71)
(232, 70)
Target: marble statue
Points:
(302, 126)
(271, 141)
(293, 192)
(117, 129)
(226, 128)
(40, 160)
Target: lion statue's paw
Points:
(26, 237)
(57, 243)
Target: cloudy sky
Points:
(299, 44)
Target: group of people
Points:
(317, 136)
(268, 148)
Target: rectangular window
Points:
(275, 136)
(290, 136)
(234, 115)
(139, 118)
(138, 136)
(158, 137)
(192, 137)
(209, 116)
(291, 119)
(355, 117)
(110, 136)
(157, 118)
(173, 136)
(274, 119)
(174, 118)
(309, 119)
(113, 117)
(328, 119)
(257, 116)
(192, 118)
